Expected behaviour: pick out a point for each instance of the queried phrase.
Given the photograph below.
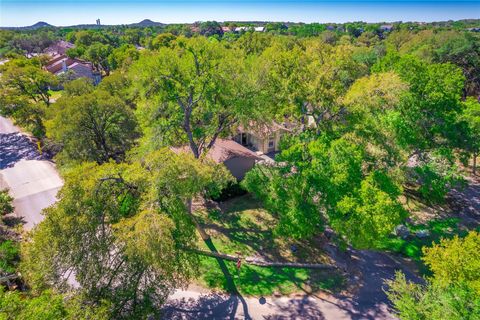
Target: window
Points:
(271, 142)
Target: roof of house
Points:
(264, 129)
(386, 27)
(224, 150)
(258, 29)
(55, 65)
(59, 47)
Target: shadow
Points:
(15, 147)
(231, 287)
(298, 309)
(211, 306)
(13, 221)
(369, 271)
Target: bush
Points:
(9, 255)
(233, 190)
(6, 206)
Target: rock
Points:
(422, 234)
(402, 231)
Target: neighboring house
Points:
(226, 29)
(236, 158)
(262, 138)
(473, 29)
(256, 29)
(386, 27)
(61, 64)
(59, 48)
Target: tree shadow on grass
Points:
(231, 287)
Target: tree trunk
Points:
(474, 169)
(261, 263)
(200, 229)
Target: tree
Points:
(6, 200)
(210, 28)
(163, 40)
(193, 93)
(455, 261)
(122, 56)
(46, 306)
(324, 179)
(309, 82)
(415, 302)
(25, 93)
(108, 232)
(93, 126)
(471, 114)
(427, 123)
(98, 54)
(453, 291)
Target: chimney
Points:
(64, 65)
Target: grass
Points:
(55, 94)
(412, 246)
(242, 227)
(261, 281)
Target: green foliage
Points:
(456, 261)
(46, 306)
(25, 93)
(6, 200)
(412, 246)
(437, 177)
(325, 180)
(190, 93)
(416, 302)
(210, 28)
(91, 125)
(124, 230)
(122, 56)
(453, 292)
(9, 255)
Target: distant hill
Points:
(42, 24)
(38, 25)
(147, 23)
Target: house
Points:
(473, 29)
(61, 64)
(386, 27)
(236, 158)
(226, 29)
(262, 138)
(256, 29)
(58, 48)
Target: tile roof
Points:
(224, 150)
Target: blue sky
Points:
(70, 12)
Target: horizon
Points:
(15, 13)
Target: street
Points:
(32, 181)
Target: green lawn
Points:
(54, 95)
(241, 227)
(412, 246)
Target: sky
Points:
(71, 12)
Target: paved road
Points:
(32, 181)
